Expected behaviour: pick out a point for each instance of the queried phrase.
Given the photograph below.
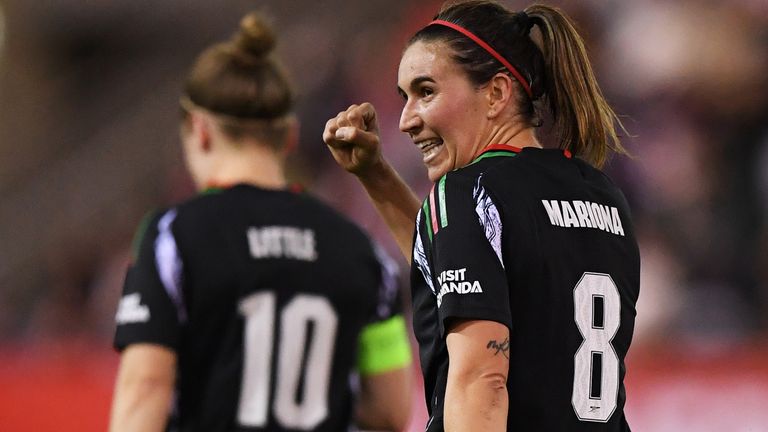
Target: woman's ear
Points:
(500, 90)
(201, 131)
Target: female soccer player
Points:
(250, 306)
(525, 265)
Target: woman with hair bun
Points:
(252, 305)
(525, 268)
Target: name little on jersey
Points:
(584, 214)
(453, 281)
(282, 242)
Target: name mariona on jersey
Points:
(584, 214)
(282, 242)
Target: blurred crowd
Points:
(89, 143)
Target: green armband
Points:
(384, 346)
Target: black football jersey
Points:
(542, 243)
(263, 295)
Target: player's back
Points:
(573, 265)
(272, 291)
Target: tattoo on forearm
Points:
(497, 347)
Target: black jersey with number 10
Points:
(263, 295)
(542, 243)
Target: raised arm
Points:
(353, 139)
(144, 388)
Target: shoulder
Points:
(472, 182)
(333, 221)
(147, 229)
(496, 162)
(453, 201)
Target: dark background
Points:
(89, 143)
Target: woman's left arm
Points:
(476, 396)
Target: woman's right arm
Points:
(353, 139)
(144, 389)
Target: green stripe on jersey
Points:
(384, 347)
(211, 190)
(441, 198)
(427, 217)
(493, 154)
(139, 235)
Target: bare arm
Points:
(395, 202)
(385, 401)
(476, 396)
(144, 389)
(353, 139)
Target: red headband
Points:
(490, 50)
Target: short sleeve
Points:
(389, 293)
(466, 252)
(150, 309)
(384, 343)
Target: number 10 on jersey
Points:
(259, 310)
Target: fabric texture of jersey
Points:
(542, 243)
(263, 295)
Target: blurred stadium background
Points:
(88, 144)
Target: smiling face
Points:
(444, 114)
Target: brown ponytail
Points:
(583, 120)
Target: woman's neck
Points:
(513, 133)
(517, 135)
(249, 164)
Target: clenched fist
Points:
(353, 139)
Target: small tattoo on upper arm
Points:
(499, 347)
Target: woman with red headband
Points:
(525, 264)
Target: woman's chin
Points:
(435, 172)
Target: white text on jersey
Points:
(584, 214)
(452, 281)
(282, 242)
(130, 310)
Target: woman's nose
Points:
(410, 122)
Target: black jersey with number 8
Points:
(542, 243)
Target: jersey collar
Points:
(506, 150)
(494, 150)
(501, 147)
(213, 188)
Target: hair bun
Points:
(255, 37)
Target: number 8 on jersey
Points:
(597, 312)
